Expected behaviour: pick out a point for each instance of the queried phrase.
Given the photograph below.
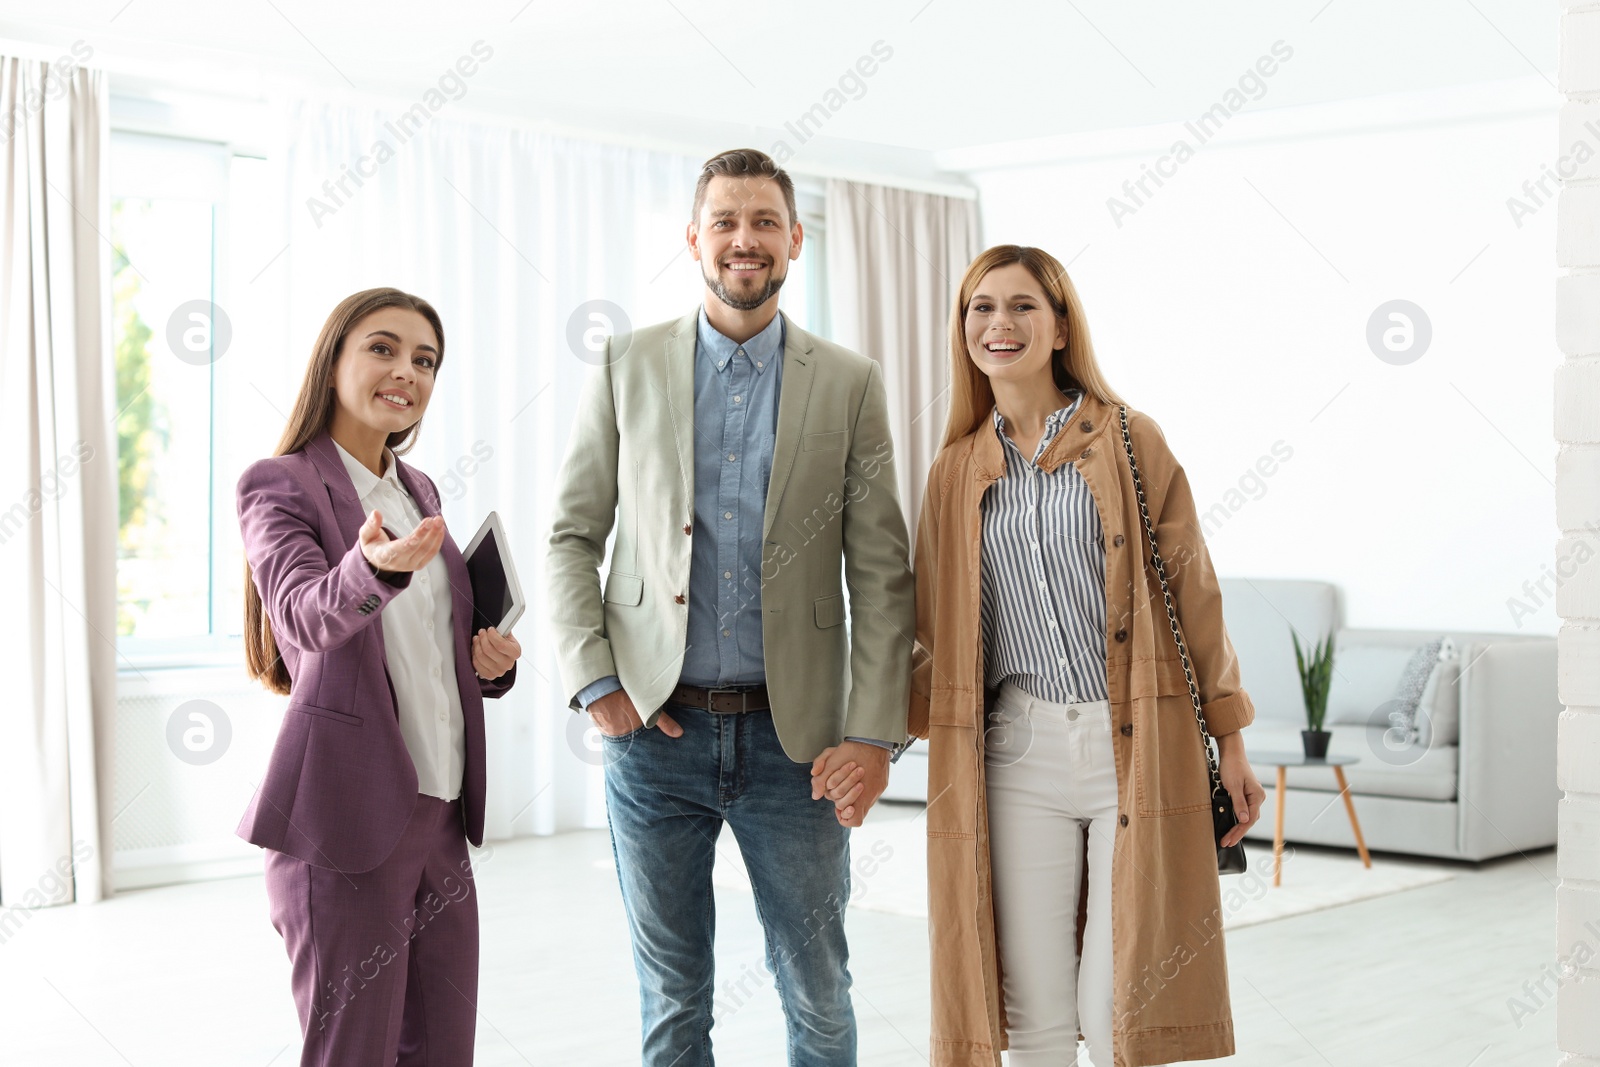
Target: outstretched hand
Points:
(412, 552)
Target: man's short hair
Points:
(744, 163)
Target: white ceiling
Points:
(694, 72)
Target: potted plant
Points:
(1314, 679)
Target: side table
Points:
(1284, 759)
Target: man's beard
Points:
(715, 283)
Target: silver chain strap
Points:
(1172, 611)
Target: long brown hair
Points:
(971, 396)
(313, 413)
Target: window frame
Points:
(196, 170)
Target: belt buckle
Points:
(711, 695)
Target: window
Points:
(179, 576)
(805, 291)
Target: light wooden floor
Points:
(195, 975)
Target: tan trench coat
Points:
(1170, 976)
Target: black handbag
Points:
(1230, 860)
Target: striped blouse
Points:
(1043, 576)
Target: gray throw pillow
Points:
(1420, 669)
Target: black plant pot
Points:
(1315, 742)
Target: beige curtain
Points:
(58, 489)
(894, 260)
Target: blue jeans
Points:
(666, 801)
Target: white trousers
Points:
(1051, 773)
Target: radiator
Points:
(179, 787)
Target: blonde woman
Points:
(1064, 758)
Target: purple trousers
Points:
(385, 963)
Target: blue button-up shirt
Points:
(735, 428)
(735, 425)
(736, 390)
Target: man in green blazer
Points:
(746, 468)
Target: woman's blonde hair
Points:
(313, 413)
(971, 396)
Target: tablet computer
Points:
(496, 594)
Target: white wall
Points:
(1233, 304)
(1577, 428)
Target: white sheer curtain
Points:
(510, 234)
(895, 258)
(58, 488)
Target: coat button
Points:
(1117, 540)
(1084, 454)
(678, 599)
(1122, 635)
(1127, 729)
(686, 528)
(1123, 819)
(1087, 425)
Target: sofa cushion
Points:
(1411, 709)
(1260, 614)
(1362, 689)
(1369, 689)
(1416, 771)
(1439, 722)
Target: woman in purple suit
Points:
(358, 607)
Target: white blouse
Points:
(419, 642)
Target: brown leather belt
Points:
(722, 701)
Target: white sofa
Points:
(1480, 782)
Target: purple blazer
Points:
(340, 786)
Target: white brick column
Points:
(1577, 429)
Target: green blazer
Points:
(832, 520)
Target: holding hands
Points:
(853, 775)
